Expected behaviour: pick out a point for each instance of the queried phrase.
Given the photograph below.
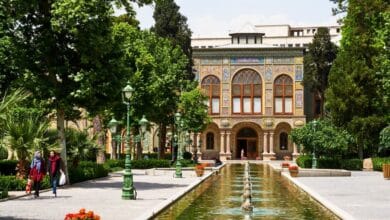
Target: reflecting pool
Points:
(220, 197)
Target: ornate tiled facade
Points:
(253, 122)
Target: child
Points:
(28, 186)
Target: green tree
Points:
(169, 23)
(355, 97)
(317, 64)
(24, 133)
(325, 138)
(64, 47)
(194, 110)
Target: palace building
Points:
(254, 90)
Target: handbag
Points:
(62, 178)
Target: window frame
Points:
(284, 96)
(211, 96)
(242, 96)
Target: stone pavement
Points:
(363, 195)
(103, 196)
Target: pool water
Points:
(220, 197)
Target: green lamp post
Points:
(143, 124)
(128, 190)
(314, 159)
(112, 125)
(178, 172)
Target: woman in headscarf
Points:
(54, 170)
(37, 172)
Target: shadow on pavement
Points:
(119, 184)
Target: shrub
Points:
(378, 161)
(187, 155)
(352, 164)
(87, 170)
(147, 164)
(304, 161)
(8, 167)
(328, 163)
(3, 153)
(15, 184)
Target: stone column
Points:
(198, 139)
(295, 151)
(222, 155)
(271, 143)
(228, 151)
(265, 138)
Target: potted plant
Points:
(386, 170)
(199, 169)
(285, 164)
(293, 170)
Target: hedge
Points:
(87, 170)
(305, 161)
(8, 167)
(116, 165)
(378, 161)
(11, 183)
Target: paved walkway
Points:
(103, 196)
(364, 195)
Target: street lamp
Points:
(314, 159)
(128, 187)
(112, 124)
(143, 124)
(179, 156)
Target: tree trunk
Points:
(113, 147)
(62, 141)
(163, 132)
(97, 129)
(139, 151)
(10, 154)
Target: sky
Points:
(216, 18)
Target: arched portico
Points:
(247, 141)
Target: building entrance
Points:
(246, 144)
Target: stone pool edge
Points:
(313, 194)
(162, 206)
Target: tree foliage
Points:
(194, 110)
(318, 62)
(325, 138)
(356, 95)
(169, 23)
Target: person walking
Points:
(54, 164)
(37, 172)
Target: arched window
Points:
(246, 92)
(211, 88)
(283, 95)
(283, 141)
(210, 141)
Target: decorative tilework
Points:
(225, 110)
(298, 60)
(225, 99)
(268, 110)
(298, 72)
(211, 61)
(268, 73)
(268, 98)
(225, 61)
(225, 87)
(283, 69)
(245, 60)
(299, 98)
(214, 70)
(269, 60)
(226, 74)
(283, 60)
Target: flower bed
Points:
(82, 215)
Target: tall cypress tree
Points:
(355, 94)
(169, 23)
(318, 62)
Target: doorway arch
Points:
(246, 143)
